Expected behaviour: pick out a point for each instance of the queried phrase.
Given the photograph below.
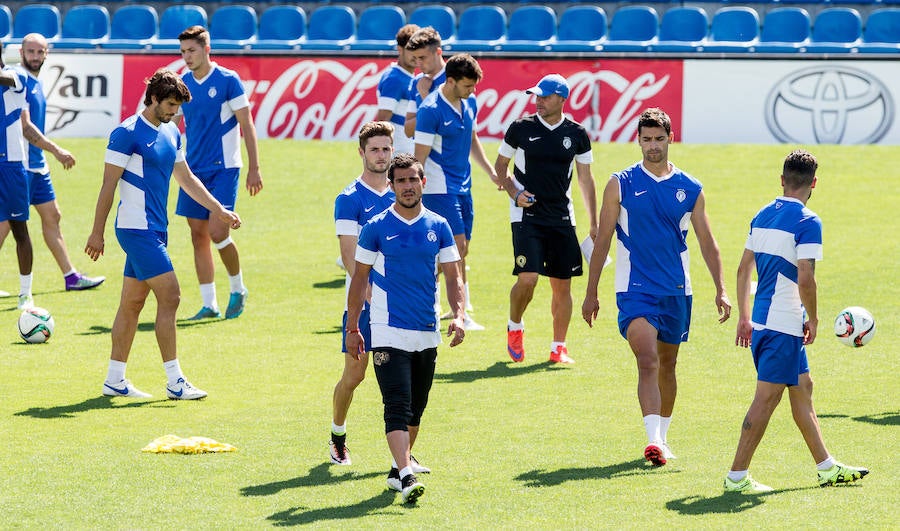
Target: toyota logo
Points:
(829, 105)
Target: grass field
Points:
(512, 446)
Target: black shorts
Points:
(552, 251)
(405, 380)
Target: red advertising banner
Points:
(330, 98)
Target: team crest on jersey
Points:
(567, 142)
(520, 260)
(380, 358)
(680, 195)
(212, 92)
(431, 236)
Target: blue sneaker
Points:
(205, 313)
(236, 304)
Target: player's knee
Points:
(220, 242)
(397, 416)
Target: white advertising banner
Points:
(792, 102)
(84, 94)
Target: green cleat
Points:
(839, 474)
(748, 485)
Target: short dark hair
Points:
(426, 36)
(799, 169)
(165, 84)
(463, 65)
(197, 33)
(655, 117)
(372, 129)
(404, 34)
(403, 161)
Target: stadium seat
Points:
(232, 27)
(481, 28)
(581, 29)
(37, 18)
(441, 18)
(377, 28)
(784, 30)
(331, 28)
(836, 30)
(5, 23)
(531, 29)
(84, 26)
(632, 29)
(176, 19)
(281, 27)
(733, 29)
(134, 27)
(683, 29)
(882, 33)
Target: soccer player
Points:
(784, 243)
(649, 207)
(217, 109)
(367, 196)
(401, 248)
(445, 138)
(545, 147)
(393, 90)
(14, 197)
(424, 47)
(144, 152)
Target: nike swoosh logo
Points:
(122, 391)
(642, 192)
(448, 123)
(178, 393)
(16, 214)
(391, 237)
(369, 209)
(151, 143)
(533, 138)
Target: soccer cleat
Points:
(667, 452)
(340, 454)
(561, 355)
(839, 474)
(183, 390)
(26, 302)
(416, 467)
(393, 480)
(4, 294)
(653, 452)
(748, 485)
(205, 313)
(236, 304)
(123, 388)
(412, 490)
(471, 326)
(79, 282)
(514, 346)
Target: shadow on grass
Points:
(551, 478)
(330, 284)
(501, 369)
(888, 418)
(148, 326)
(318, 475)
(336, 329)
(99, 402)
(725, 503)
(302, 516)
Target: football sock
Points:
(237, 283)
(664, 427)
(468, 299)
(173, 371)
(405, 472)
(208, 294)
(339, 430)
(25, 284)
(515, 326)
(116, 372)
(555, 344)
(826, 464)
(737, 475)
(70, 272)
(651, 424)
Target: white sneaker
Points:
(123, 388)
(183, 390)
(26, 302)
(470, 325)
(412, 490)
(4, 294)
(667, 452)
(416, 467)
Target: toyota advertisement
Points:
(710, 101)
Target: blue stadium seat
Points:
(836, 30)
(481, 28)
(581, 29)
(882, 33)
(784, 30)
(441, 18)
(331, 28)
(84, 26)
(683, 29)
(281, 27)
(134, 27)
(531, 29)
(632, 29)
(176, 19)
(733, 29)
(37, 18)
(377, 28)
(232, 27)
(5, 23)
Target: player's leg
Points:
(668, 383)
(353, 374)
(223, 185)
(205, 267)
(393, 372)
(674, 322)
(766, 399)
(561, 310)
(50, 228)
(131, 302)
(521, 294)
(25, 256)
(563, 260)
(422, 370)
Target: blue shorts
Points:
(364, 329)
(457, 209)
(670, 315)
(222, 184)
(13, 192)
(779, 358)
(40, 188)
(146, 255)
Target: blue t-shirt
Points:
(37, 110)
(12, 141)
(449, 133)
(655, 215)
(393, 95)
(781, 234)
(148, 155)
(415, 99)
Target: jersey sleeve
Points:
(346, 216)
(809, 239)
(448, 252)
(510, 141)
(120, 147)
(583, 153)
(427, 122)
(367, 245)
(237, 98)
(391, 90)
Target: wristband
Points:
(516, 199)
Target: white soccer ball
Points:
(36, 325)
(854, 326)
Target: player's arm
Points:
(348, 251)
(710, 251)
(95, 242)
(806, 281)
(588, 194)
(248, 129)
(744, 272)
(455, 295)
(194, 188)
(609, 214)
(356, 296)
(7, 78)
(34, 136)
(422, 151)
(476, 151)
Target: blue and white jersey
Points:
(393, 95)
(212, 130)
(37, 110)
(148, 154)
(781, 234)
(12, 142)
(655, 215)
(415, 99)
(404, 255)
(449, 133)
